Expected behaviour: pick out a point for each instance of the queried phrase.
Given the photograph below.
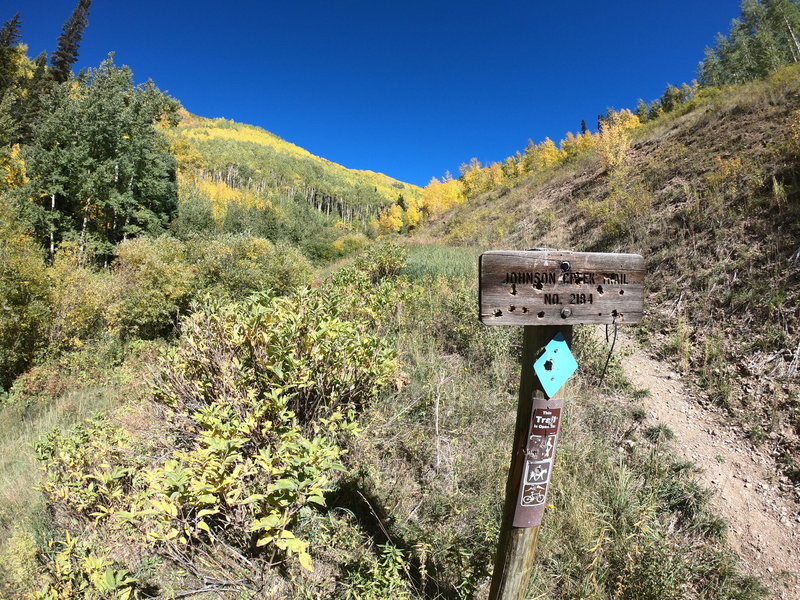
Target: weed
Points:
(659, 433)
(757, 435)
(678, 343)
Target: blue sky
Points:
(411, 89)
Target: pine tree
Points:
(9, 38)
(67, 49)
(642, 111)
(99, 167)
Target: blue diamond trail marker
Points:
(547, 292)
(555, 366)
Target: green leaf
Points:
(284, 484)
(268, 522)
(305, 561)
(253, 498)
(109, 580)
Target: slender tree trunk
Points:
(796, 49)
(52, 227)
(82, 246)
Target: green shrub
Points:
(382, 260)
(88, 471)
(155, 284)
(24, 297)
(252, 403)
(76, 570)
(378, 577)
(18, 563)
(238, 265)
(81, 298)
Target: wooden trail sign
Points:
(556, 287)
(547, 291)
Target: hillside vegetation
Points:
(197, 401)
(240, 178)
(709, 195)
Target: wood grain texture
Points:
(557, 287)
(516, 548)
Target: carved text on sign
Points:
(548, 287)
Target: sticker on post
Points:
(539, 458)
(555, 366)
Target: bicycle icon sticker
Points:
(534, 495)
(537, 467)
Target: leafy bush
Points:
(81, 297)
(291, 344)
(238, 265)
(24, 297)
(75, 570)
(377, 578)
(155, 286)
(88, 471)
(252, 405)
(382, 260)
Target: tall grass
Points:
(435, 259)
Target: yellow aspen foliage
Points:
(438, 197)
(186, 155)
(510, 168)
(390, 220)
(542, 156)
(494, 176)
(521, 165)
(614, 138)
(573, 145)
(585, 141)
(549, 154)
(13, 170)
(472, 177)
(413, 215)
(221, 196)
(569, 145)
(624, 119)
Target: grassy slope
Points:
(430, 468)
(713, 205)
(266, 155)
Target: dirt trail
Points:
(760, 505)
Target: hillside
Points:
(709, 194)
(198, 399)
(248, 161)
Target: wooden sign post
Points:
(547, 292)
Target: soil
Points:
(761, 506)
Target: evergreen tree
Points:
(642, 112)
(9, 39)
(101, 168)
(584, 128)
(67, 49)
